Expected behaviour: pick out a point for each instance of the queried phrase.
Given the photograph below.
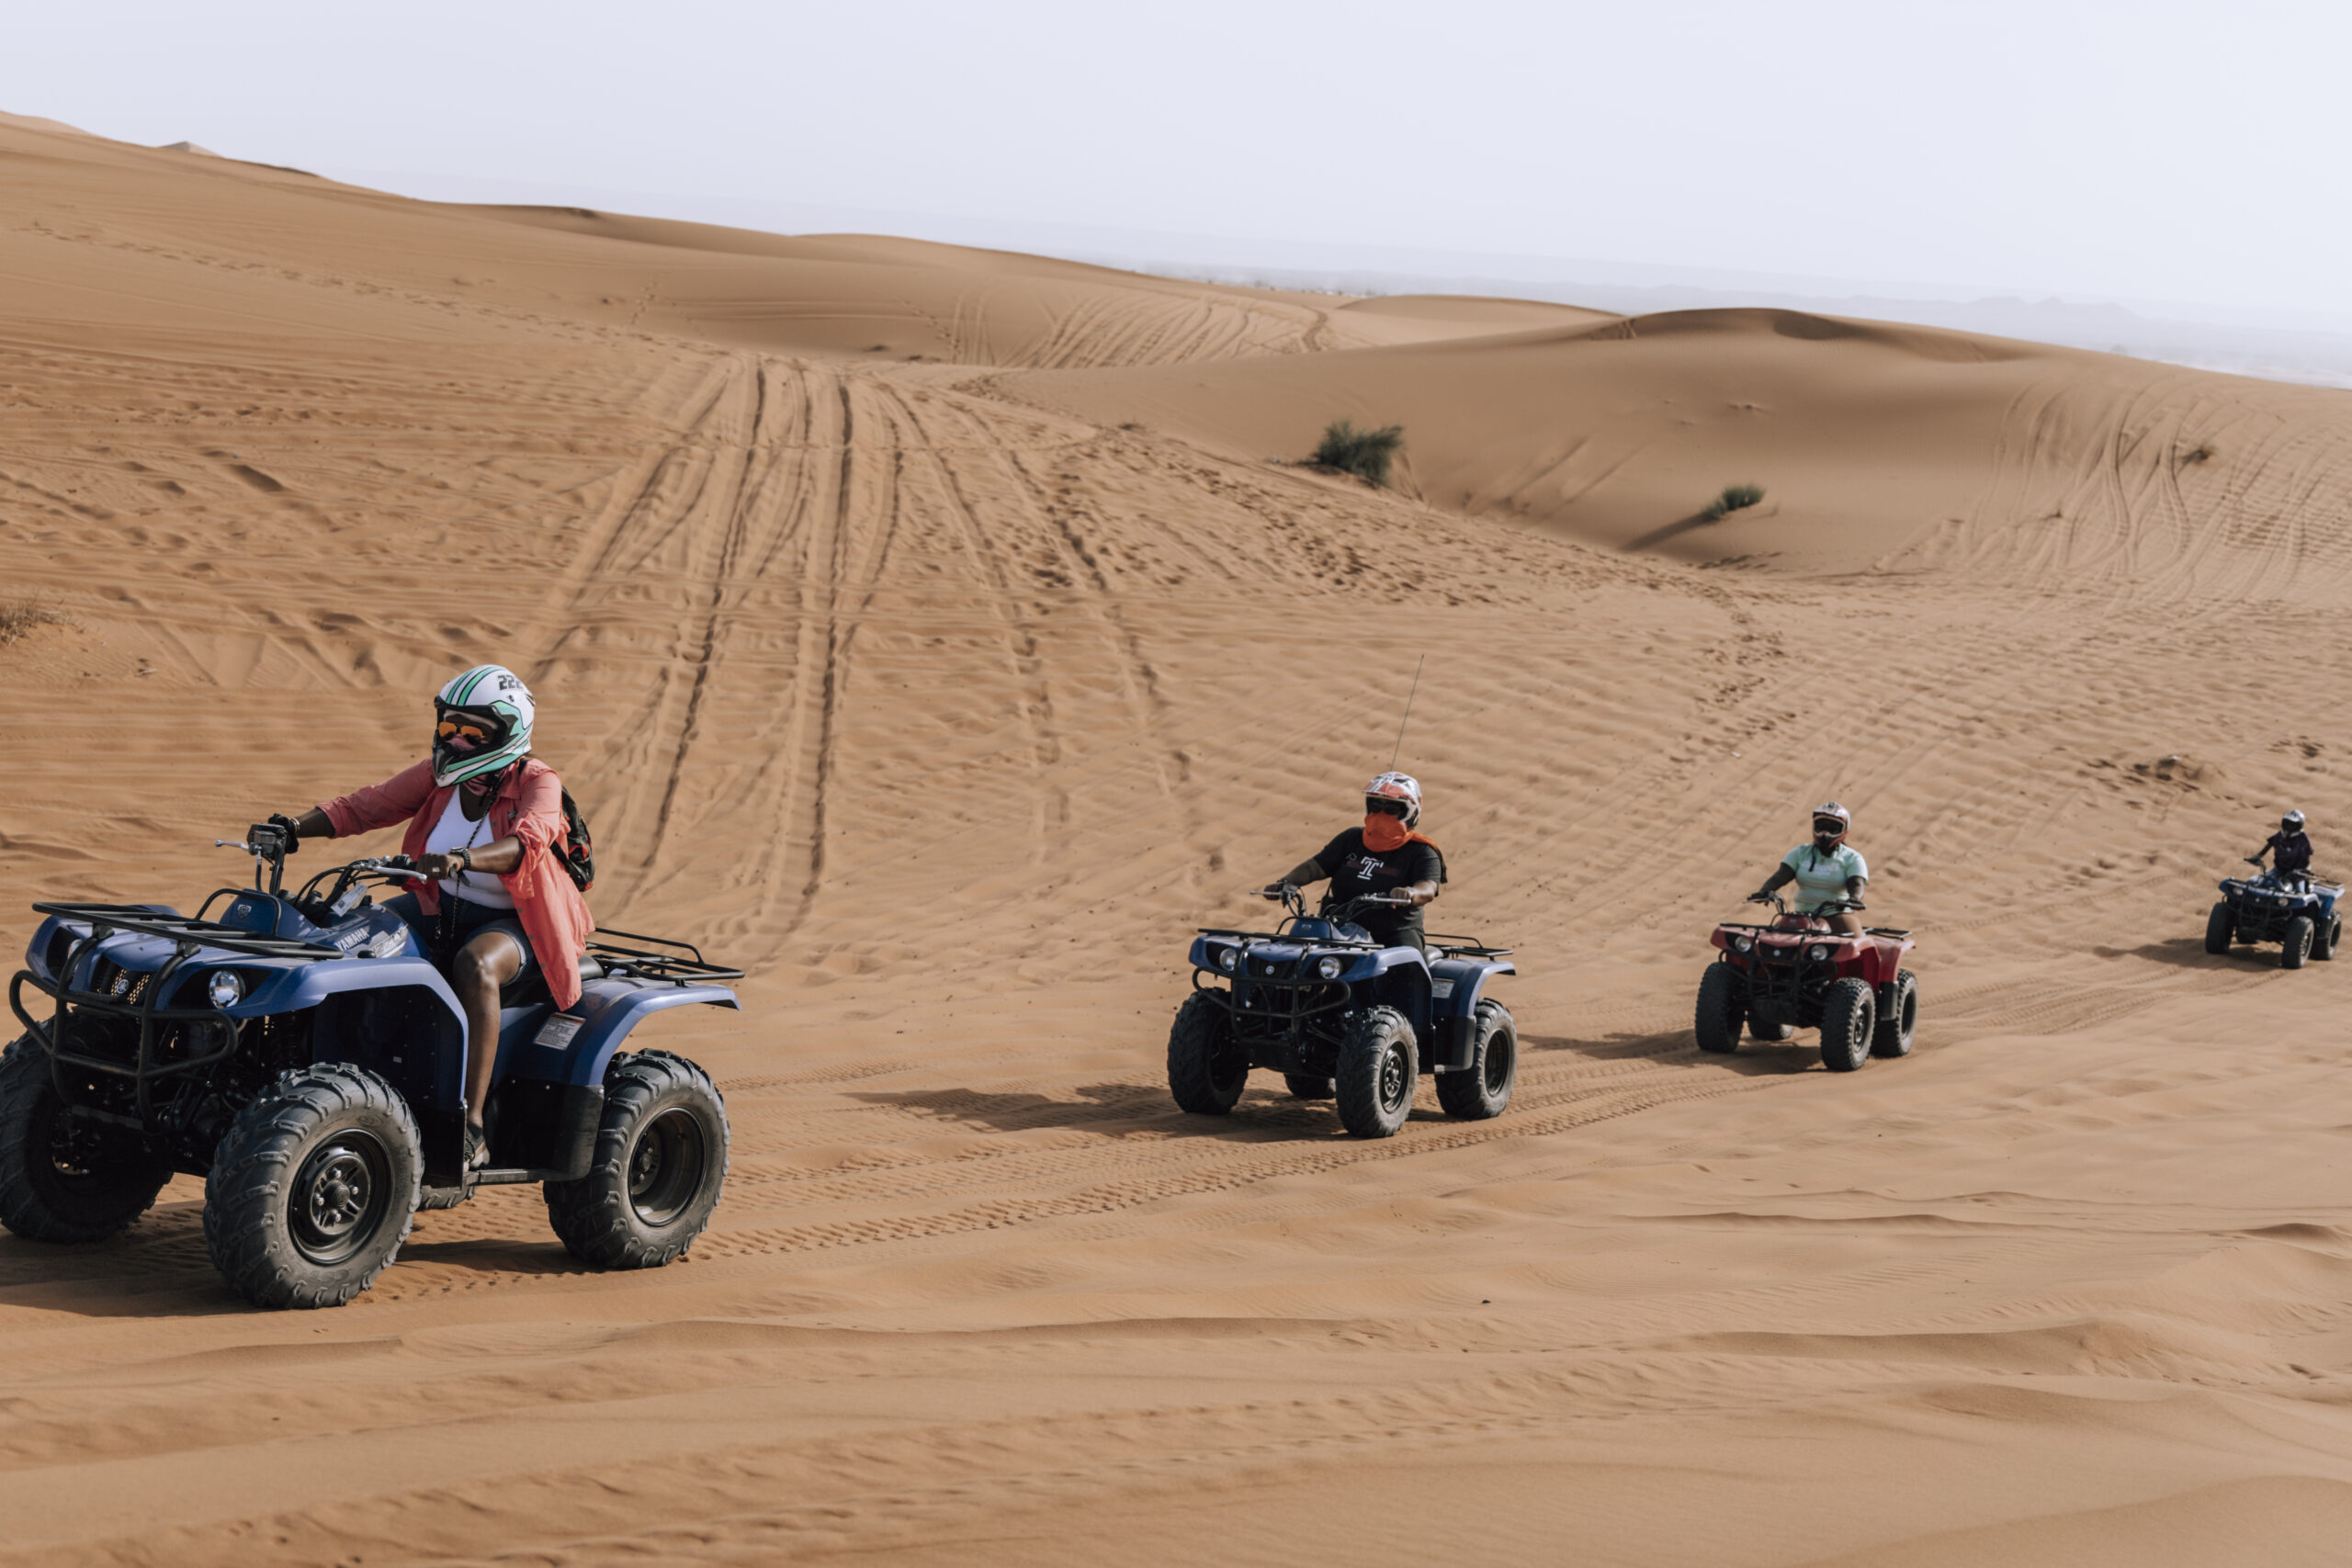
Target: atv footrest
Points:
(515, 1177)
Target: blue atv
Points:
(301, 1055)
(2290, 907)
(1341, 1017)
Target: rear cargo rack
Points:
(681, 968)
(183, 930)
(1467, 946)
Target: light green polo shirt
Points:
(1820, 877)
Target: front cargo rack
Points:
(686, 967)
(182, 930)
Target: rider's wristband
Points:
(468, 857)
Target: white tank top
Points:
(454, 832)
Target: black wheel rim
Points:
(1500, 1050)
(76, 1150)
(339, 1198)
(665, 1167)
(1396, 1079)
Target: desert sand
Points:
(926, 630)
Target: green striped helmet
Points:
(482, 723)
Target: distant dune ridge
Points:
(925, 628)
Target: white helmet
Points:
(2292, 823)
(1827, 812)
(1398, 787)
(482, 723)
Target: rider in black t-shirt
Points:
(1384, 855)
(2289, 846)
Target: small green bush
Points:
(1363, 453)
(1734, 498)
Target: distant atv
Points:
(1339, 1016)
(2292, 908)
(301, 1055)
(1801, 973)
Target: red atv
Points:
(1800, 972)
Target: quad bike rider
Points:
(2286, 903)
(484, 818)
(1386, 857)
(1827, 868)
(1815, 965)
(304, 1053)
(1352, 1003)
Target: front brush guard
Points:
(147, 1068)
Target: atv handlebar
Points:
(1826, 907)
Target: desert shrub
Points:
(1734, 498)
(1363, 453)
(19, 617)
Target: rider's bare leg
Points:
(481, 966)
(1848, 921)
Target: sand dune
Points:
(925, 629)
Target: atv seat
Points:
(532, 988)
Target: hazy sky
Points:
(2151, 151)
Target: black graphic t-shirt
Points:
(2292, 851)
(1355, 870)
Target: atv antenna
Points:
(1408, 712)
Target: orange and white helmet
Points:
(1397, 786)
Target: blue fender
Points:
(575, 1047)
(1462, 981)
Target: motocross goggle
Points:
(463, 731)
(1829, 828)
(1384, 806)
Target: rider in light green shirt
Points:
(1827, 868)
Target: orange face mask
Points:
(1382, 832)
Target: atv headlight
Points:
(1818, 952)
(1328, 966)
(1743, 943)
(1226, 957)
(224, 988)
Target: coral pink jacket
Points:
(529, 804)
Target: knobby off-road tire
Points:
(2220, 926)
(313, 1187)
(2327, 935)
(1481, 1090)
(63, 1179)
(1722, 1005)
(1849, 1019)
(1898, 1015)
(1206, 1072)
(2298, 944)
(659, 1163)
(1304, 1087)
(1379, 1072)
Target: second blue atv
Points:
(300, 1053)
(2292, 908)
(1341, 1017)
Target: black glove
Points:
(1757, 897)
(285, 824)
